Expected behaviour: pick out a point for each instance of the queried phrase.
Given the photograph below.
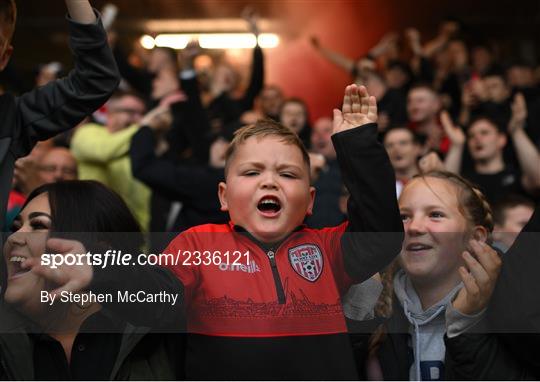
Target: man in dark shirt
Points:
(495, 177)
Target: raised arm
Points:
(375, 231)
(334, 57)
(256, 81)
(527, 153)
(178, 182)
(81, 11)
(62, 104)
(452, 162)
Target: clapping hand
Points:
(479, 276)
(519, 114)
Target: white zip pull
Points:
(270, 255)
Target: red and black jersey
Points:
(268, 312)
(252, 291)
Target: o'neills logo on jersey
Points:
(307, 261)
(252, 267)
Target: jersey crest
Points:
(307, 261)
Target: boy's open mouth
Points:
(16, 266)
(269, 205)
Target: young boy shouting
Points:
(60, 105)
(262, 294)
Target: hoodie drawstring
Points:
(417, 335)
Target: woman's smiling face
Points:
(28, 240)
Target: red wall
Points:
(350, 27)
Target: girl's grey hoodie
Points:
(426, 330)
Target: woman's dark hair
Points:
(87, 211)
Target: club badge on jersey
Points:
(307, 261)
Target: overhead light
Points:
(175, 41)
(227, 41)
(268, 40)
(211, 40)
(147, 42)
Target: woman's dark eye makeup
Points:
(37, 221)
(39, 224)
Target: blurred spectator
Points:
(294, 115)
(404, 150)
(390, 101)
(102, 153)
(58, 164)
(510, 215)
(482, 59)
(271, 101)
(423, 106)
(140, 78)
(486, 142)
(520, 75)
(326, 210)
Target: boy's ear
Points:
(312, 192)
(480, 233)
(6, 55)
(222, 195)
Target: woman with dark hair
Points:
(71, 339)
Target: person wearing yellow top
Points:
(102, 153)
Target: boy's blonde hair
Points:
(8, 16)
(261, 129)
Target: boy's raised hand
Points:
(359, 108)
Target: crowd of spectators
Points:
(161, 140)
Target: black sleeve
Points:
(195, 125)
(375, 232)
(256, 82)
(139, 79)
(151, 280)
(481, 357)
(426, 73)
(62, 104)
(177, 182)
(514, 311)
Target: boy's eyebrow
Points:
(289, 165)
(279, 167)
(252, 164)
